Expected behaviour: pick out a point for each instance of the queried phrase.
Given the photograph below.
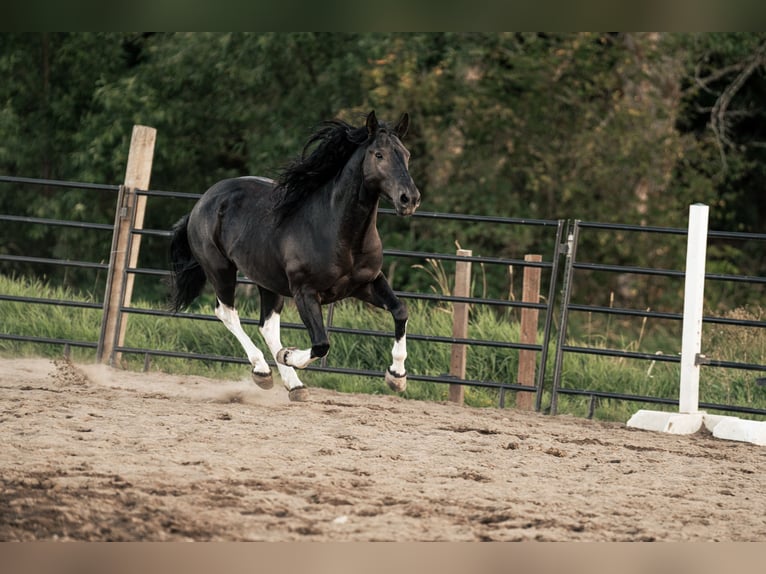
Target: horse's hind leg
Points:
(261, 370)
(271, 307)
(224, 284)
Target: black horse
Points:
(310, 235)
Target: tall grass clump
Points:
(742, 344)
(658, 378)
(51, 320)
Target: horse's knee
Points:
(320, 350)
(400, 321)
(400, 313)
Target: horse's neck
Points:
(356, 206)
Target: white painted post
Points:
(694, 290)
(689, 418)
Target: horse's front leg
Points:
(310, 312)
(380, 294)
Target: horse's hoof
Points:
(283, 353)
(396, 382)
(298, 394)
(263, 380)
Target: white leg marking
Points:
(270, 332)
(399, 354)
(300, 358)
(230, 318)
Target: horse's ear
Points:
(403, 125)
(372, 123)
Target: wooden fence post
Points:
(130, 211)
(460, 325)
(529, 322)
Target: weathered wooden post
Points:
(124, 253)
(529, 322)
(460, 325)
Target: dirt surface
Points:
(93, 453)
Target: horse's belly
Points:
(347, 285)
(364, 275)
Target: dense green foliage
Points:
(609, 127)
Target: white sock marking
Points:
(270, 332)
(399, 354)
(300, 358)
(230, 318)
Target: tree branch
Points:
(718, 113)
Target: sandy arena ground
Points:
(93, 453)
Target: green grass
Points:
(721, 386)
(596, 373)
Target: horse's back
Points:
(234, 223)
(231, 199)
(252, 187)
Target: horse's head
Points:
(386, 165)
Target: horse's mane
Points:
(335, 142)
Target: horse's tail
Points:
(187, 277)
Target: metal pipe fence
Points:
(573, 265)
(27, 258)
(561, 266)
(555, 228)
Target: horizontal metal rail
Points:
(477, 218)
(54, 302)
(621, 354)
(668, 272)
(472, 258)
(56, 222)
(739, 235)
(703, 360)
(53, 261)
(49, 340)
(341, 330)
(472, 300)
(628, 269)
(664, 315)
(168, 194)
(659, 400)
(59, 183)
(629, 227)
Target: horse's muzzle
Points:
(407, 202)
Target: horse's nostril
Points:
(404, 199)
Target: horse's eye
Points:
(378, 155)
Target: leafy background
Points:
(613, 127)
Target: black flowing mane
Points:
(336, 142)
